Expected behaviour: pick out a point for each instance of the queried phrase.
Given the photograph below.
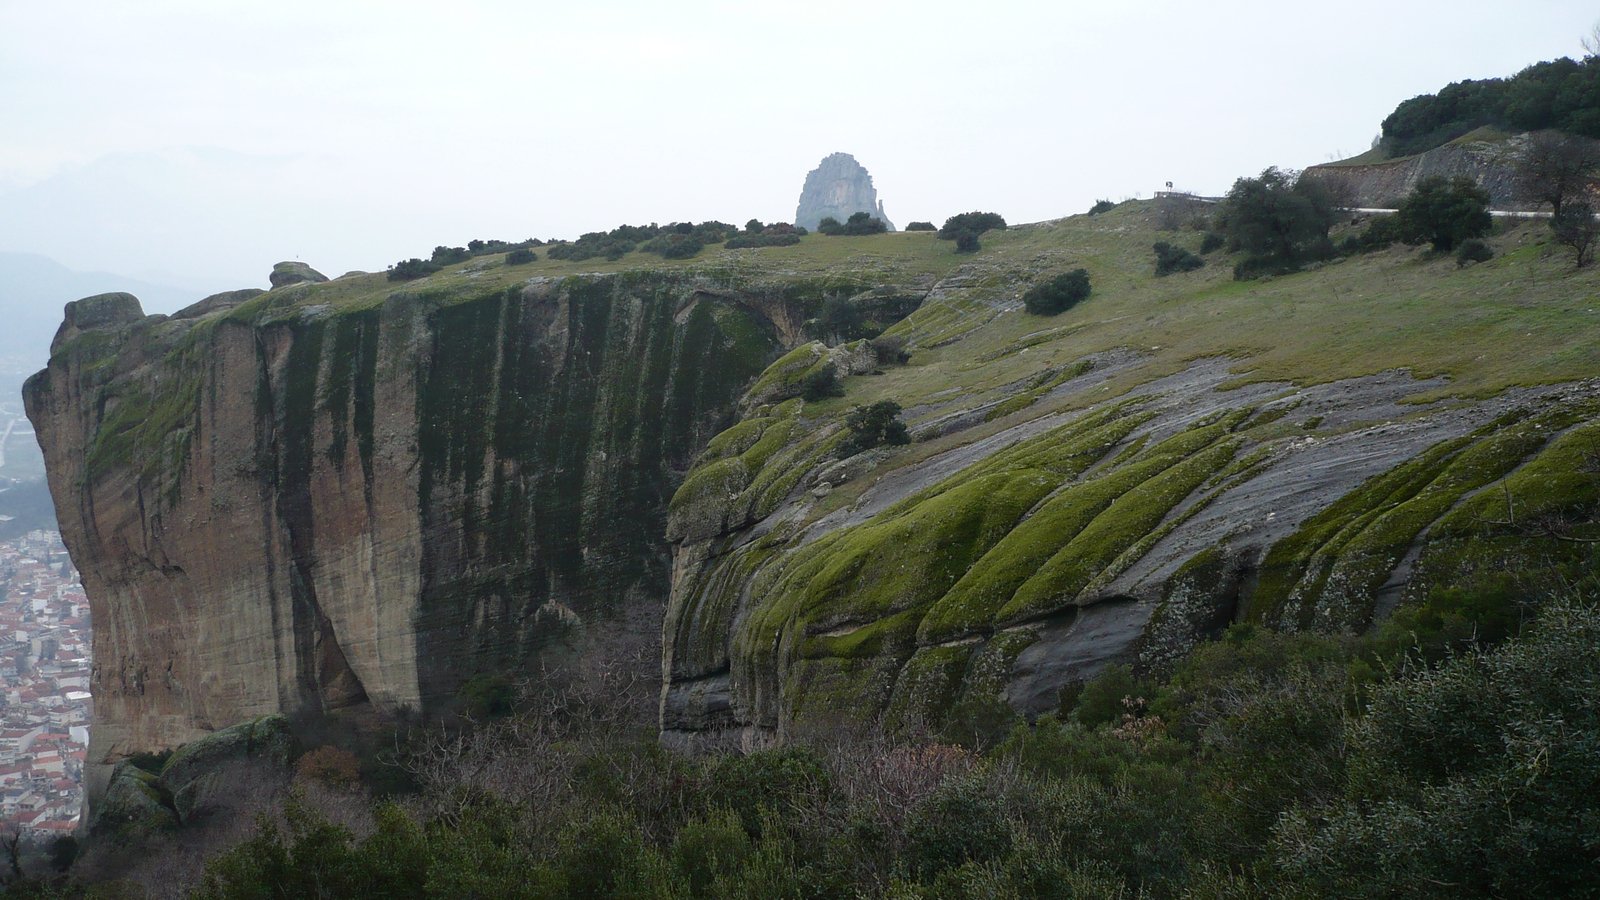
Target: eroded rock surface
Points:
(838, 187)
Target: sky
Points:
(196, 142)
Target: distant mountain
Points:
(33, 290)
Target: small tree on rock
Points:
(871, 426)
(1444, 212)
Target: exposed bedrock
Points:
(280, 505)
(1007, 569)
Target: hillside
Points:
(357, 497)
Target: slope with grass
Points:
(1121, 481)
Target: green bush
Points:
(1444, 212)
(859, 223)
(411, 269)
(921, 226)
(1473, 251)
(521, 257)
(961, 822)
(674, 245)
(782, 780)
(1059, 294)
(973, 223)
(1279, 220)
(967, 242)
(872, 426)
(1212, 242)
(1170, 259)
(1576, 228)
(748, 241)
(821, 384)
(1101, 206)
(445, 256)
(488, 696)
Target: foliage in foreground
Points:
(1058, 294)
(1265, 764)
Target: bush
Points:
(1059, 294)
(1170, 259)
(1211, 243)
(520, 257)
(753, 226)
(488, 696)
(872, 426)
(974, 223)
(445, 256)
(1473, 251)
(748, 241)
(821, 384)
(889, 349)
(1101, 206)
(961, 822)
(921, 226)
(967, 242)
(1575, 227)
(860, 223)
(331, 766)
(782, 780)
(674, 245)
(412, 269)
(1444, 212)
(1279, 219)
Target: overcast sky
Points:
(197, 142)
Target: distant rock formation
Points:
(1384, 183)
(286, 273)
(838, 187)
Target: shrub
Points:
(748, 241)
(974, 223)
(1211, 243)
(1101, 206)
(967, 242)
(889, 349)
(1473, 251)
(445, 256)
(962, 821)
(1170, 259)
(674, 245)
(821, 384)
(1444, 212)
(1279, 219)
(1059, 294)
(921, 226)
(1575, 227)
(520, 257)
(860, 223)
(488, 696)
(411, 269)
(329, 765)
(872, 426)
(753, 226)
(782, 780)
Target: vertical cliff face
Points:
(283, 505)
(838, 187)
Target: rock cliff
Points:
(353, 496)
(281, 503)
(1488, 159)
(838, 187)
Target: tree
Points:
(1444, 212)
(1279, 220)
(873, 425)
(974, 223)
(1575, 227)
(1058, 294)
(1171, 259)
(1556, 167)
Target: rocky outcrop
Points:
(293, 272)
(1383, 184)
(281, 505)
(838, 187)
(1005, 570)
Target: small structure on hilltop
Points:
(838, 187)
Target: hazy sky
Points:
(197, 141)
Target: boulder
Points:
(196, 771)
(291, 272)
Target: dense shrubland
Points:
(1424, 761)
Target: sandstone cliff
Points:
(1487, 158)
(286, 505)
(838, 187)
(354, 496)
